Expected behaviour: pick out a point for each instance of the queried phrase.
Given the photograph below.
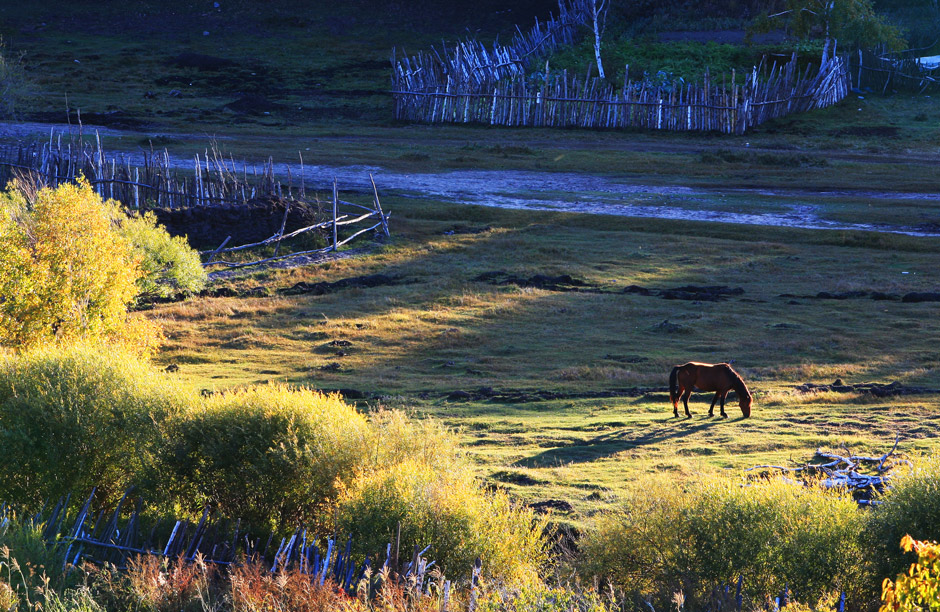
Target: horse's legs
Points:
(711, 411)
(675, 402)
(723, 395)
(685, 402)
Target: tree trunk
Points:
(598, 17)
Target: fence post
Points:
(335, 203)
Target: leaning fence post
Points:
(335, 202)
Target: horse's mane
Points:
(738, 383)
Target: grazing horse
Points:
(718, 377)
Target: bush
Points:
(771, 533)
(72, 419)
(66, 275)
(169, 266)
(448, 511)
(917, 590)
(269, 454)
(910, 507)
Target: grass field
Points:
(558, 394)
(579, 377)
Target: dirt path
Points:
(584, 193)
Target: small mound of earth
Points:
(700, 294)
(551, 505)
(518, 396)
(322, 288)
(880, 131)
(202, 62)
(891, 389)
(517, 478)
(562, 282)
(910, 298)
(458, 230)
(253, 104)
(207, 227)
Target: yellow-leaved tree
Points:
(917, 590)
(67, 274)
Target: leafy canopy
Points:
(917, 590)
(65, 273)
(71, 264)
(852, 22)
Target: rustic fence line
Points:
(472, 64)
(879, 72)
(151, 181)
(569, 102)
(117, 536)
(151, 178)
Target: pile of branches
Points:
(847, 471)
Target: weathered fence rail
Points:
(149, 179)
(472, 64)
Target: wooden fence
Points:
(155, 180)
(471, 64)
(729, 105)
(150, 179)
(470, 83)
(882, 73)
(117, 536)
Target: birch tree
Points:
(597, 10)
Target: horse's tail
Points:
(674, 385)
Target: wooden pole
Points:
(335, 203)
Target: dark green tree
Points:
(853, 23)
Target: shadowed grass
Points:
(440, 329)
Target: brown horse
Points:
(719, 378)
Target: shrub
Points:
(918, 590)
(644, 546)
(66, 275)
(168, 263)
(911, 506)
(770, 533)
(269, 454)
(448, 511)
(76, 418)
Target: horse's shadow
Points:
(610, 444)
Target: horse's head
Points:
(745, 402)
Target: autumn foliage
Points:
(919, 588)
(71, 264)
